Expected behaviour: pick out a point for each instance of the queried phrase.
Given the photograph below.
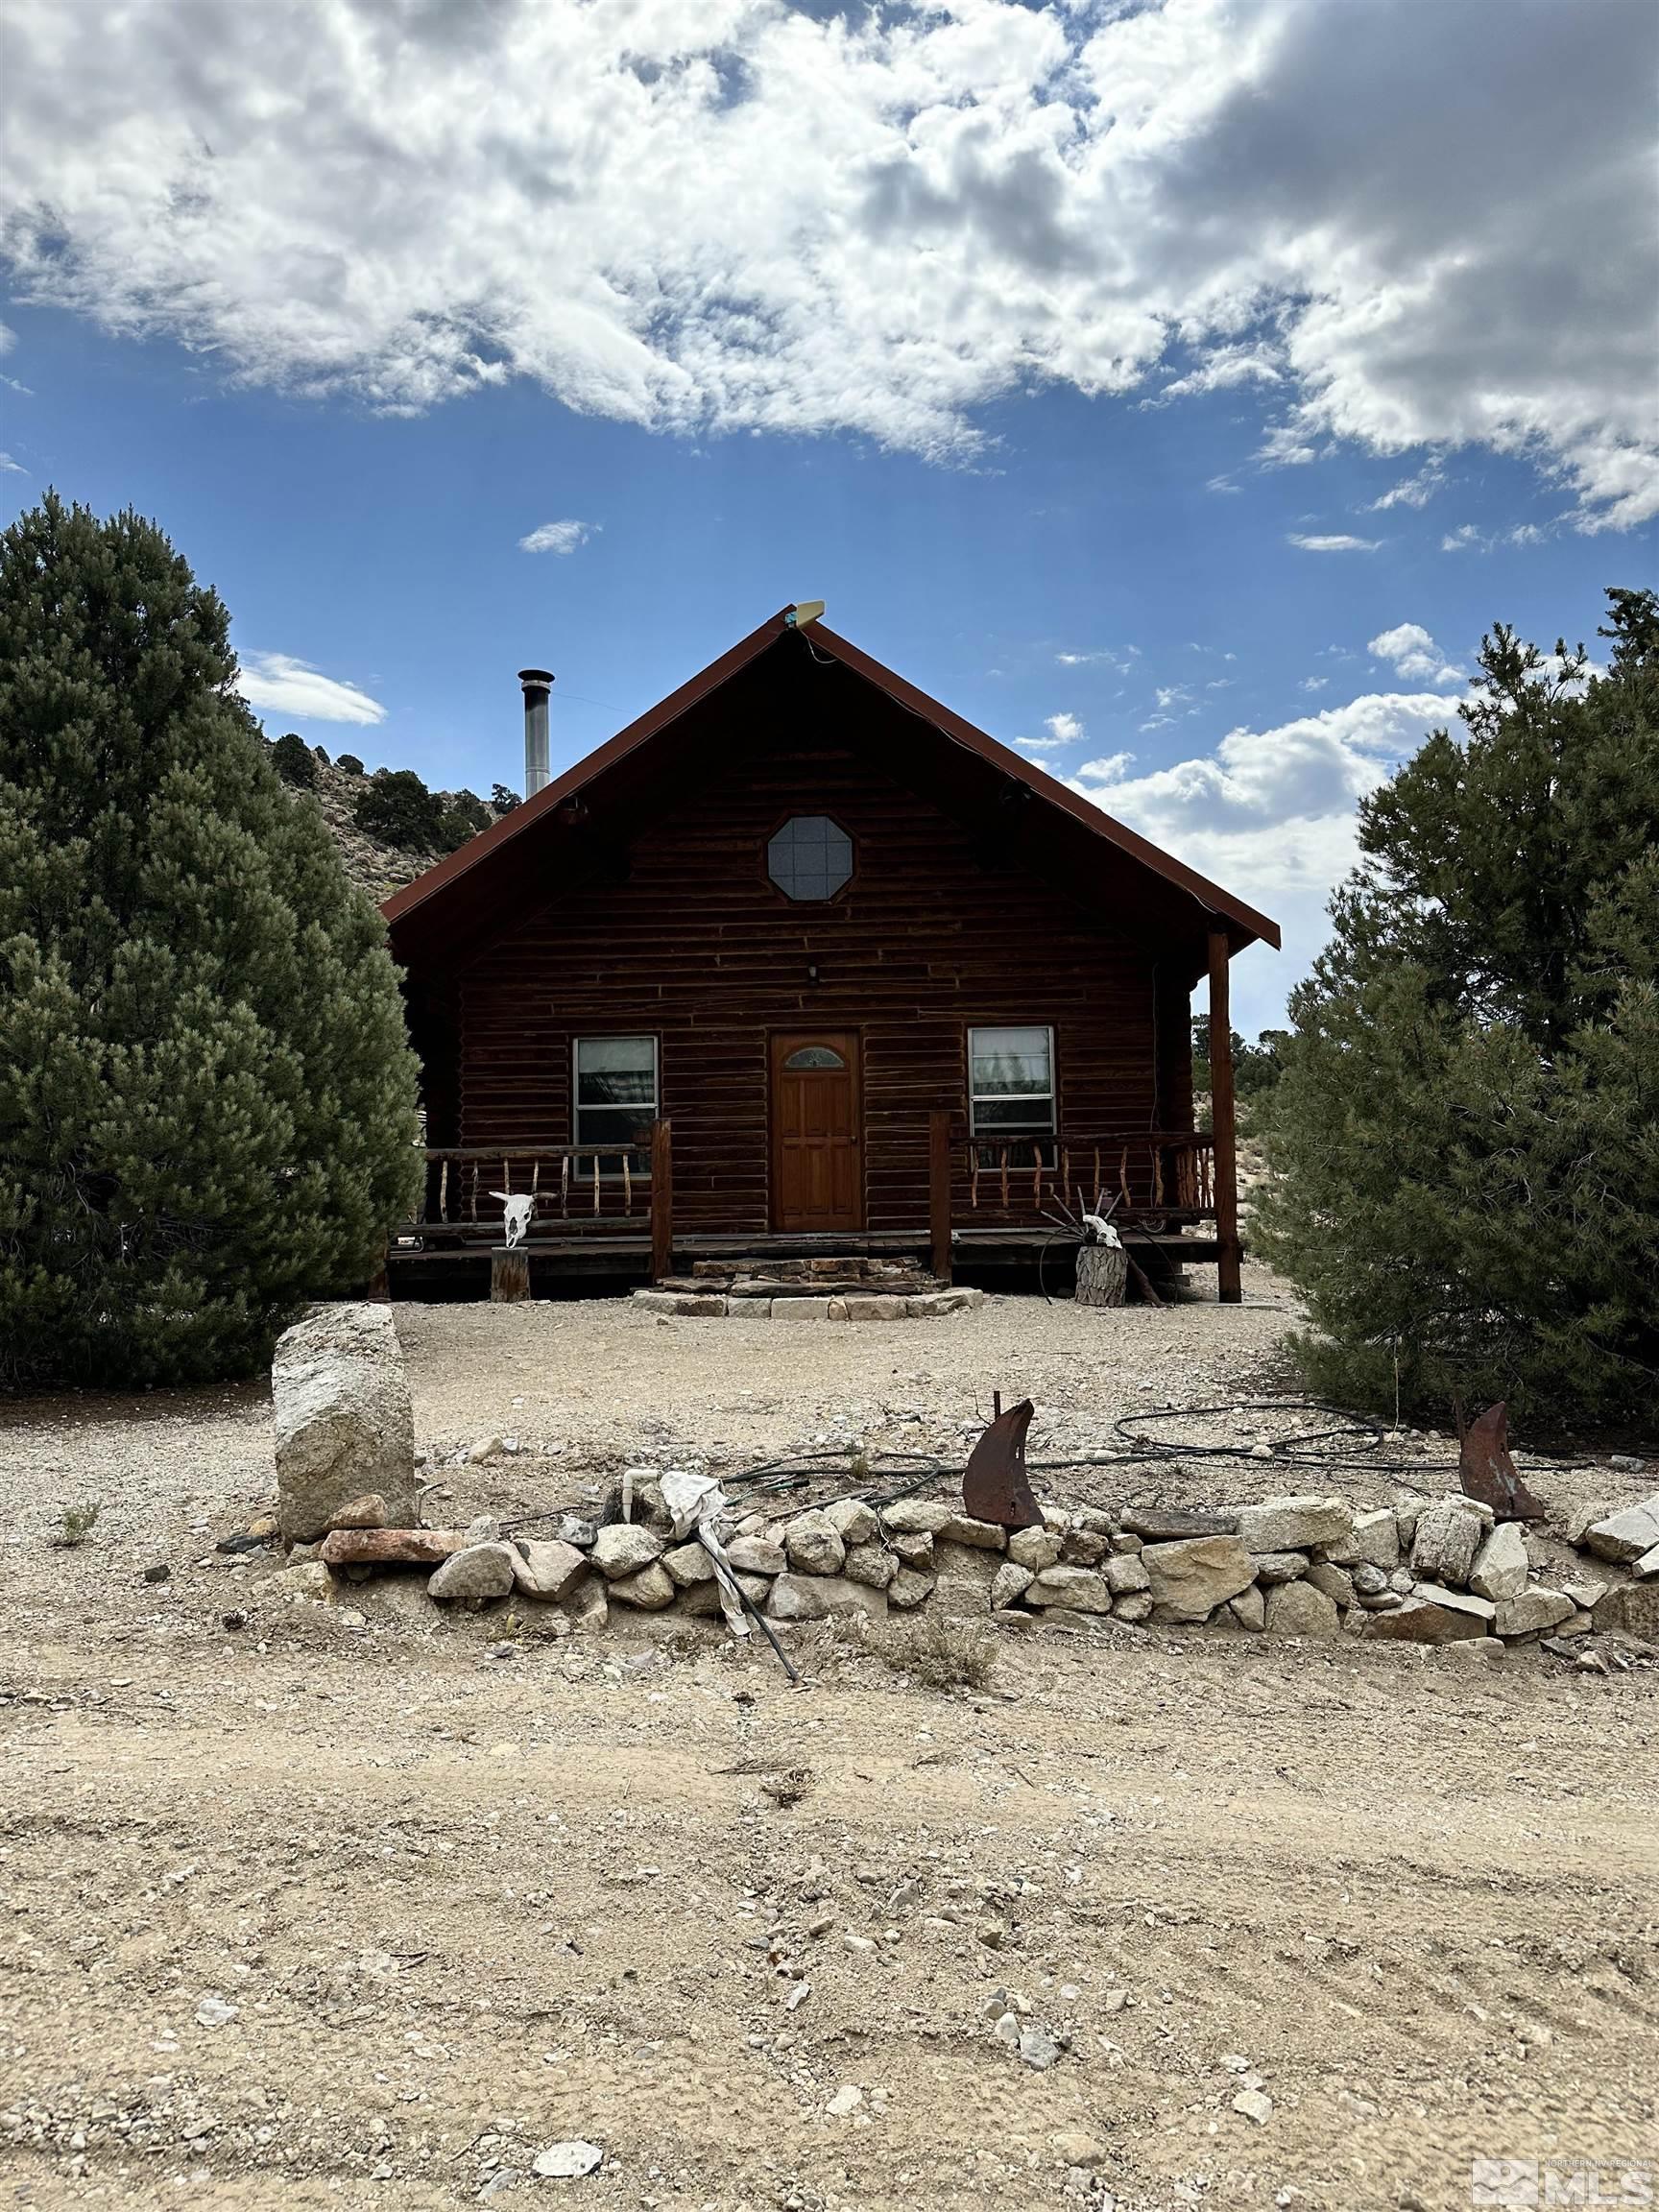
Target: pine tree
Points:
(1466, 1134)
(294, 760)
(397, 809)
(206, 1095)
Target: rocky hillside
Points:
(381, 869)
(376, 862)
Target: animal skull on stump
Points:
(516, 1215)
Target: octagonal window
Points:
(810, 858)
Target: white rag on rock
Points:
(695, 1504)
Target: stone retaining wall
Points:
(854, 1305)
(1424, 1570)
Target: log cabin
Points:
(803, 963)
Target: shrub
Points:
(206, 1097)
(949, 1653)
(397, 809)
(76, 1523)
(464, 815)
(502, 800)
(1256, 1067)
(1467, 1169)
(294, 760)
(351, 764)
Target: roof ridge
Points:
(1211, 896)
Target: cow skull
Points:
(516, 1215)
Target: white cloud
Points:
(558, 536)
(8, 340)
(1269, 815)
(1314, 682)
(1287, 446)
(1064, 729)
(10, 467)
(1412, 491)
(1467, 539)
(1336, 543)
(1121, 661)
(280, 684)
(1414, 655)
(1227, 367)
(707, 215)
(1109, 770)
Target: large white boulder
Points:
(622, 1548)
(482, 1571)
(1433, 1614)
(1532, 1612)
(1034, 1547)
(1300, 1609)
(815, 1597)
(1628, 1534)
(1009, 1584)
(852, 1519)
(1501, 1565)
(814, 1545)
(1295, 1524)
(549, 1567)
(1374, 1543)
(1073, 1589)
(1190, 1580)
(342, 1418)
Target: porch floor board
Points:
(624, 1251)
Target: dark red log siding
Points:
(697, 947)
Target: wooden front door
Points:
(817, 1150)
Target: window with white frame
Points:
(1011, 1091)
(615, 1094)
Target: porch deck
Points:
(605, 1216)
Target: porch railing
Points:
(1166, 1172)
(566, 1183)
(1165, 1175)
(591, 1180)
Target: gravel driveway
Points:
(306, 1913)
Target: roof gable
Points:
(466, 874)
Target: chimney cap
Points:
(535, 675)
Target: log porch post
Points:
(939, 1190)
(661, 1200)
(1222, 1119)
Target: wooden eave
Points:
(419, 914)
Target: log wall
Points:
(684, 936)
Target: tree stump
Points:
(509, 1274)
(1102, 1275)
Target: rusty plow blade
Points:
(995, 1486)
(1486, 1470)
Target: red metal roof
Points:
(1246, 923)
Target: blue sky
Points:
(1211, 524)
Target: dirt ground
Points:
(355, 1906)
